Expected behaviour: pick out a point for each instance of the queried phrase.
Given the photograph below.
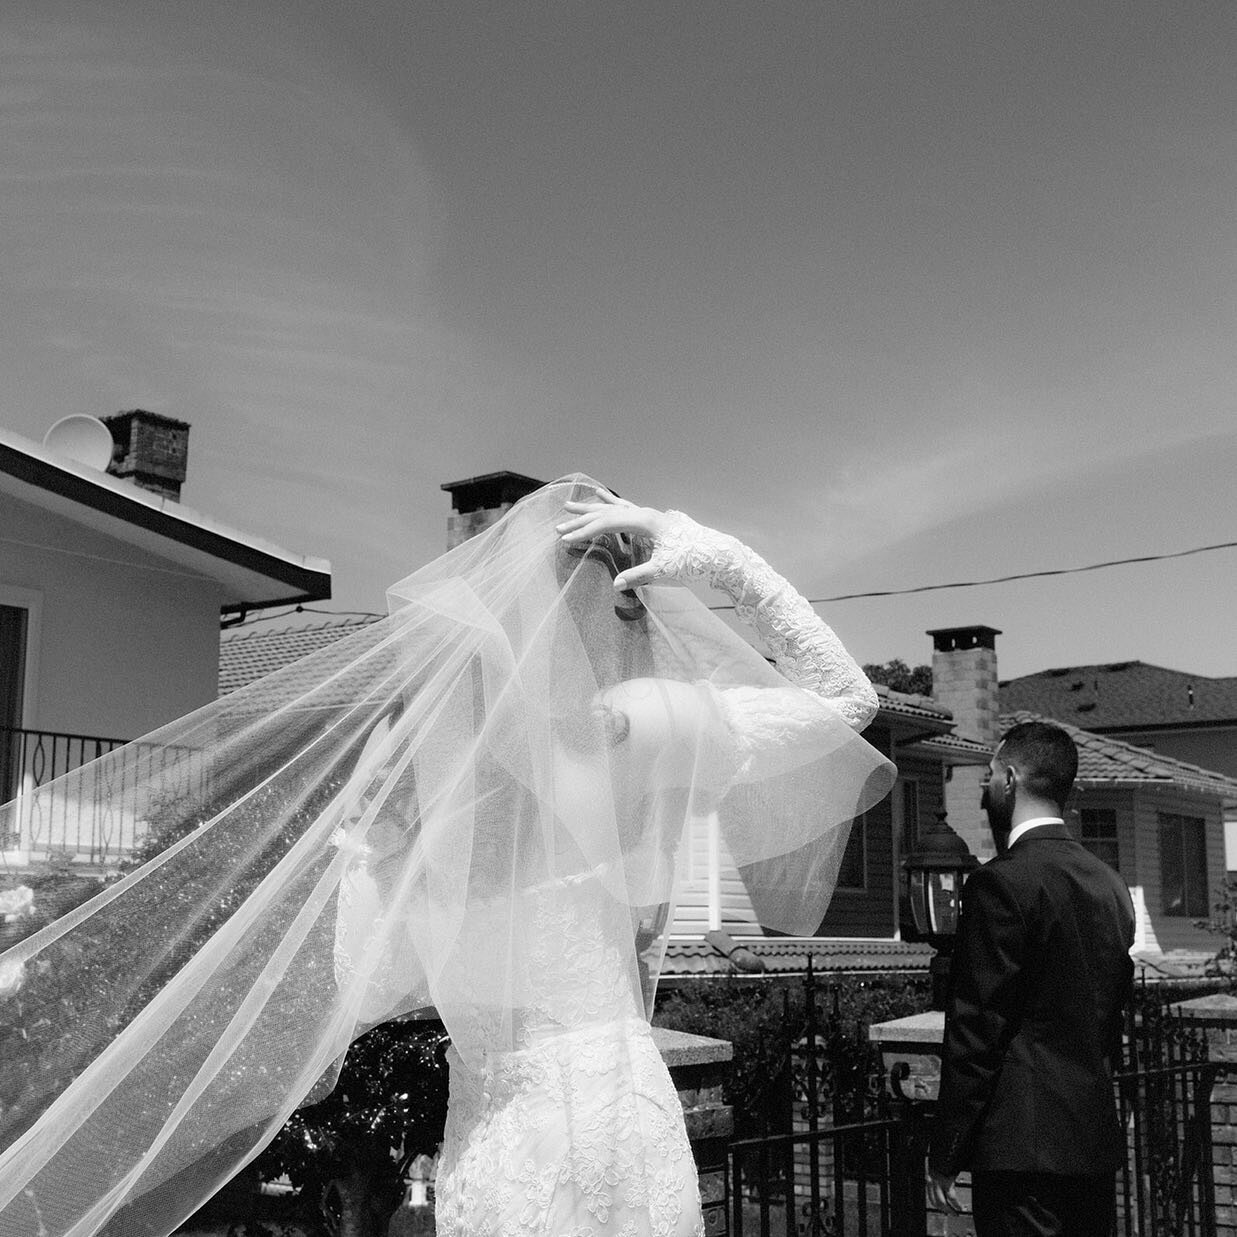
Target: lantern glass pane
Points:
(919, 902)
(943, 904)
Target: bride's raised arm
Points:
(804, 648)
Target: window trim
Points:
(1164, 819)
(1115, 839)
(30, 600)
(859, 823)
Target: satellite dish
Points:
(84, 439)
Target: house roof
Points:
(246, 655)
(1105, 761)
(921, 708)
(693, 958)
(1124, 695)
(953, 749)
(253, 573)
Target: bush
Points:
(766, 1020)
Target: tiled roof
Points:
(1103, 760)
(904, 704)
(954, 748)
(248, 655)
(696, 958)
(1123, 693)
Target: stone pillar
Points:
(478, 502)
(1217, 1016)
(910, 1048)
(697, 1066)
(964, 680)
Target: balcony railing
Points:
(72, 803)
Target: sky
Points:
(900, 293)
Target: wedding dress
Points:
(579, 1131)
(476, 805)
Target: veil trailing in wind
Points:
(358, 836)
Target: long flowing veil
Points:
(355, 837)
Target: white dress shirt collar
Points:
(1033, 823)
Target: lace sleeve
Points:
(804, 647)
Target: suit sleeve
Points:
(984, 1011)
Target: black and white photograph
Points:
(617, 618)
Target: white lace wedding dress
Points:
(578, 1131)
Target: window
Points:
(909, 799)
(13, 623)
(1099, 834)
(1183, 865)
(853, 874)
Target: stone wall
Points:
(1217, 1017)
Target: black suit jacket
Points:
(1041, 973)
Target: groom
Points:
(1040, 974)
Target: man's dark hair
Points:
(1046, 758)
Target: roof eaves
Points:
(304, 578)
(1129, 764)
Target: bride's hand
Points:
(608, 514)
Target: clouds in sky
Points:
(857, 282)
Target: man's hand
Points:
(941, 1193)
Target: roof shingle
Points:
(1103, 760)
(1123, 693)
(696, 958)
(245, 656)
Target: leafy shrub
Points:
(766, 1020)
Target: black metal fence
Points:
(1164, 1097)
(841, 1156)
(838, 1155)
(94, 817)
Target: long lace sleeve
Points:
(805, 649)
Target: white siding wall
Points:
(710, 891)
(126, 641)
(1173, 931)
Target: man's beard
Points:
(1000, 818)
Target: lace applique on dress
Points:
(578, 1130)
(803, 646)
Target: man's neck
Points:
(1027, 822)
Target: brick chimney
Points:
(478, 502)
(964, 680)
(151, 450)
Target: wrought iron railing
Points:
(839, 1157)
(69, 801)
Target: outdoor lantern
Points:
(935, 871)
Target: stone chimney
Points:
(964, 680)
(478, 502)
(151, 450)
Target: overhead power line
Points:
(1022, 575)
(888, 592)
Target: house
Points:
(1159, 822)
(1190, 717)
(111, 599)
(868, 904)
(1157, 818)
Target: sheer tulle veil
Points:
(354, 837)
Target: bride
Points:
(478, 805)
